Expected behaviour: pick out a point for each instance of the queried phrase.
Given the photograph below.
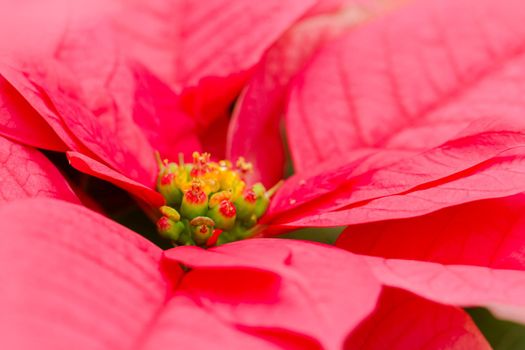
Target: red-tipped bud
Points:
(194, 201)
(262, 200)
(218, 197)
(167, 186)
(223, 214)
(245, 204)
(169, 228)
(170, 213)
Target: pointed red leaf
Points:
(74, 279)
(486, 233)
(462, 285)
(256, 119)
(19, 121)
(214, 80)
(32, 93)
(321, 292)
(26, 173)
(389, 184)
(410, 80)
(403, 321)
(92, 167)
(156, 111)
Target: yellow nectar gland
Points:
(214, 205)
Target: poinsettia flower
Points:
(75, 279)
(401, 177)
(112, 145)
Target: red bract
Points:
(426, 104)
(480, 244)
(26, 173)
(78, 280)
(424, 108)
(256, 119)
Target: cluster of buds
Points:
(209, 203)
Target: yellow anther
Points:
(244, 166)
(218, 197)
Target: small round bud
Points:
(169, 228)
(223, 214)
(194, 201)
(262, 199)
(218, 197)
(201, 229)
(245, 204)
(170, 213)
(167, 184)
(244, 166)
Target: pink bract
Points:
(77, 279)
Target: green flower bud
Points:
(170, 213)
(224, 214)
(263, 201)
(166, 181)
(201, 229)
(169, 228)
(245, 204)
(194, 201)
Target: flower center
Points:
(209, 203)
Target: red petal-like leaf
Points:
(388, 184)
(390, 101)
(404, 321)
(156, 112)
(320, 292)
(218, 78)
(486, 233)
(26, 173)
(187, 325)
(257, 117)
(19, 121)
(93, 167)
(410, 80)
(40, 102)
(74, 279)
(463, 285)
